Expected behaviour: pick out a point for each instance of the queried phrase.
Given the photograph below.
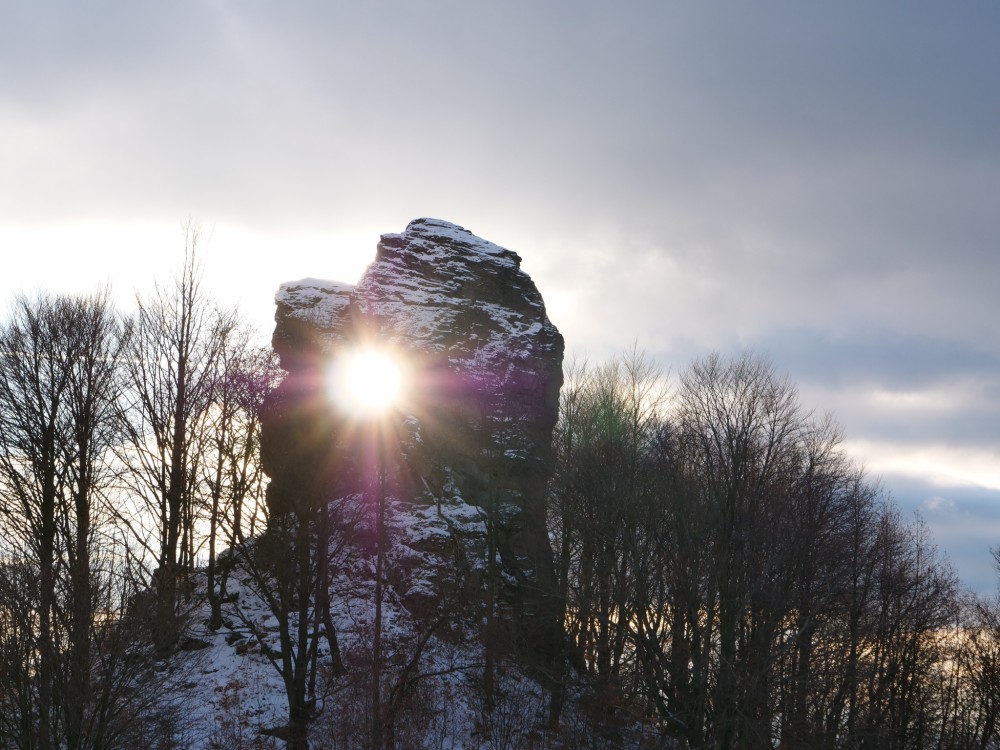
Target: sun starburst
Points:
(366, 382)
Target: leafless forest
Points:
(729, 578)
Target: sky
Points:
(818, 182)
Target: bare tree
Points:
(171, 366)
(602, 497)
(230, 471)
(739, 426)
(976, 698)
(728, 571)
(18, 648)
(36, 362)
(59, 365)
(289, 562)
(91, 409)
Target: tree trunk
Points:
(46, 647)
(79, 677)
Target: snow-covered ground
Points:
(223, 691)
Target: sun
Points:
(366, 382)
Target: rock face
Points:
(483, 367)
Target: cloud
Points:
(876, 355)
(817, 182)
(938, 504)
(964, 521)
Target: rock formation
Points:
(483, 367)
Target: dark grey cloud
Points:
(67, 53)
(877, 357)
(832, 128)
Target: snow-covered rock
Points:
(483, 367)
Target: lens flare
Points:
(366, 382)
